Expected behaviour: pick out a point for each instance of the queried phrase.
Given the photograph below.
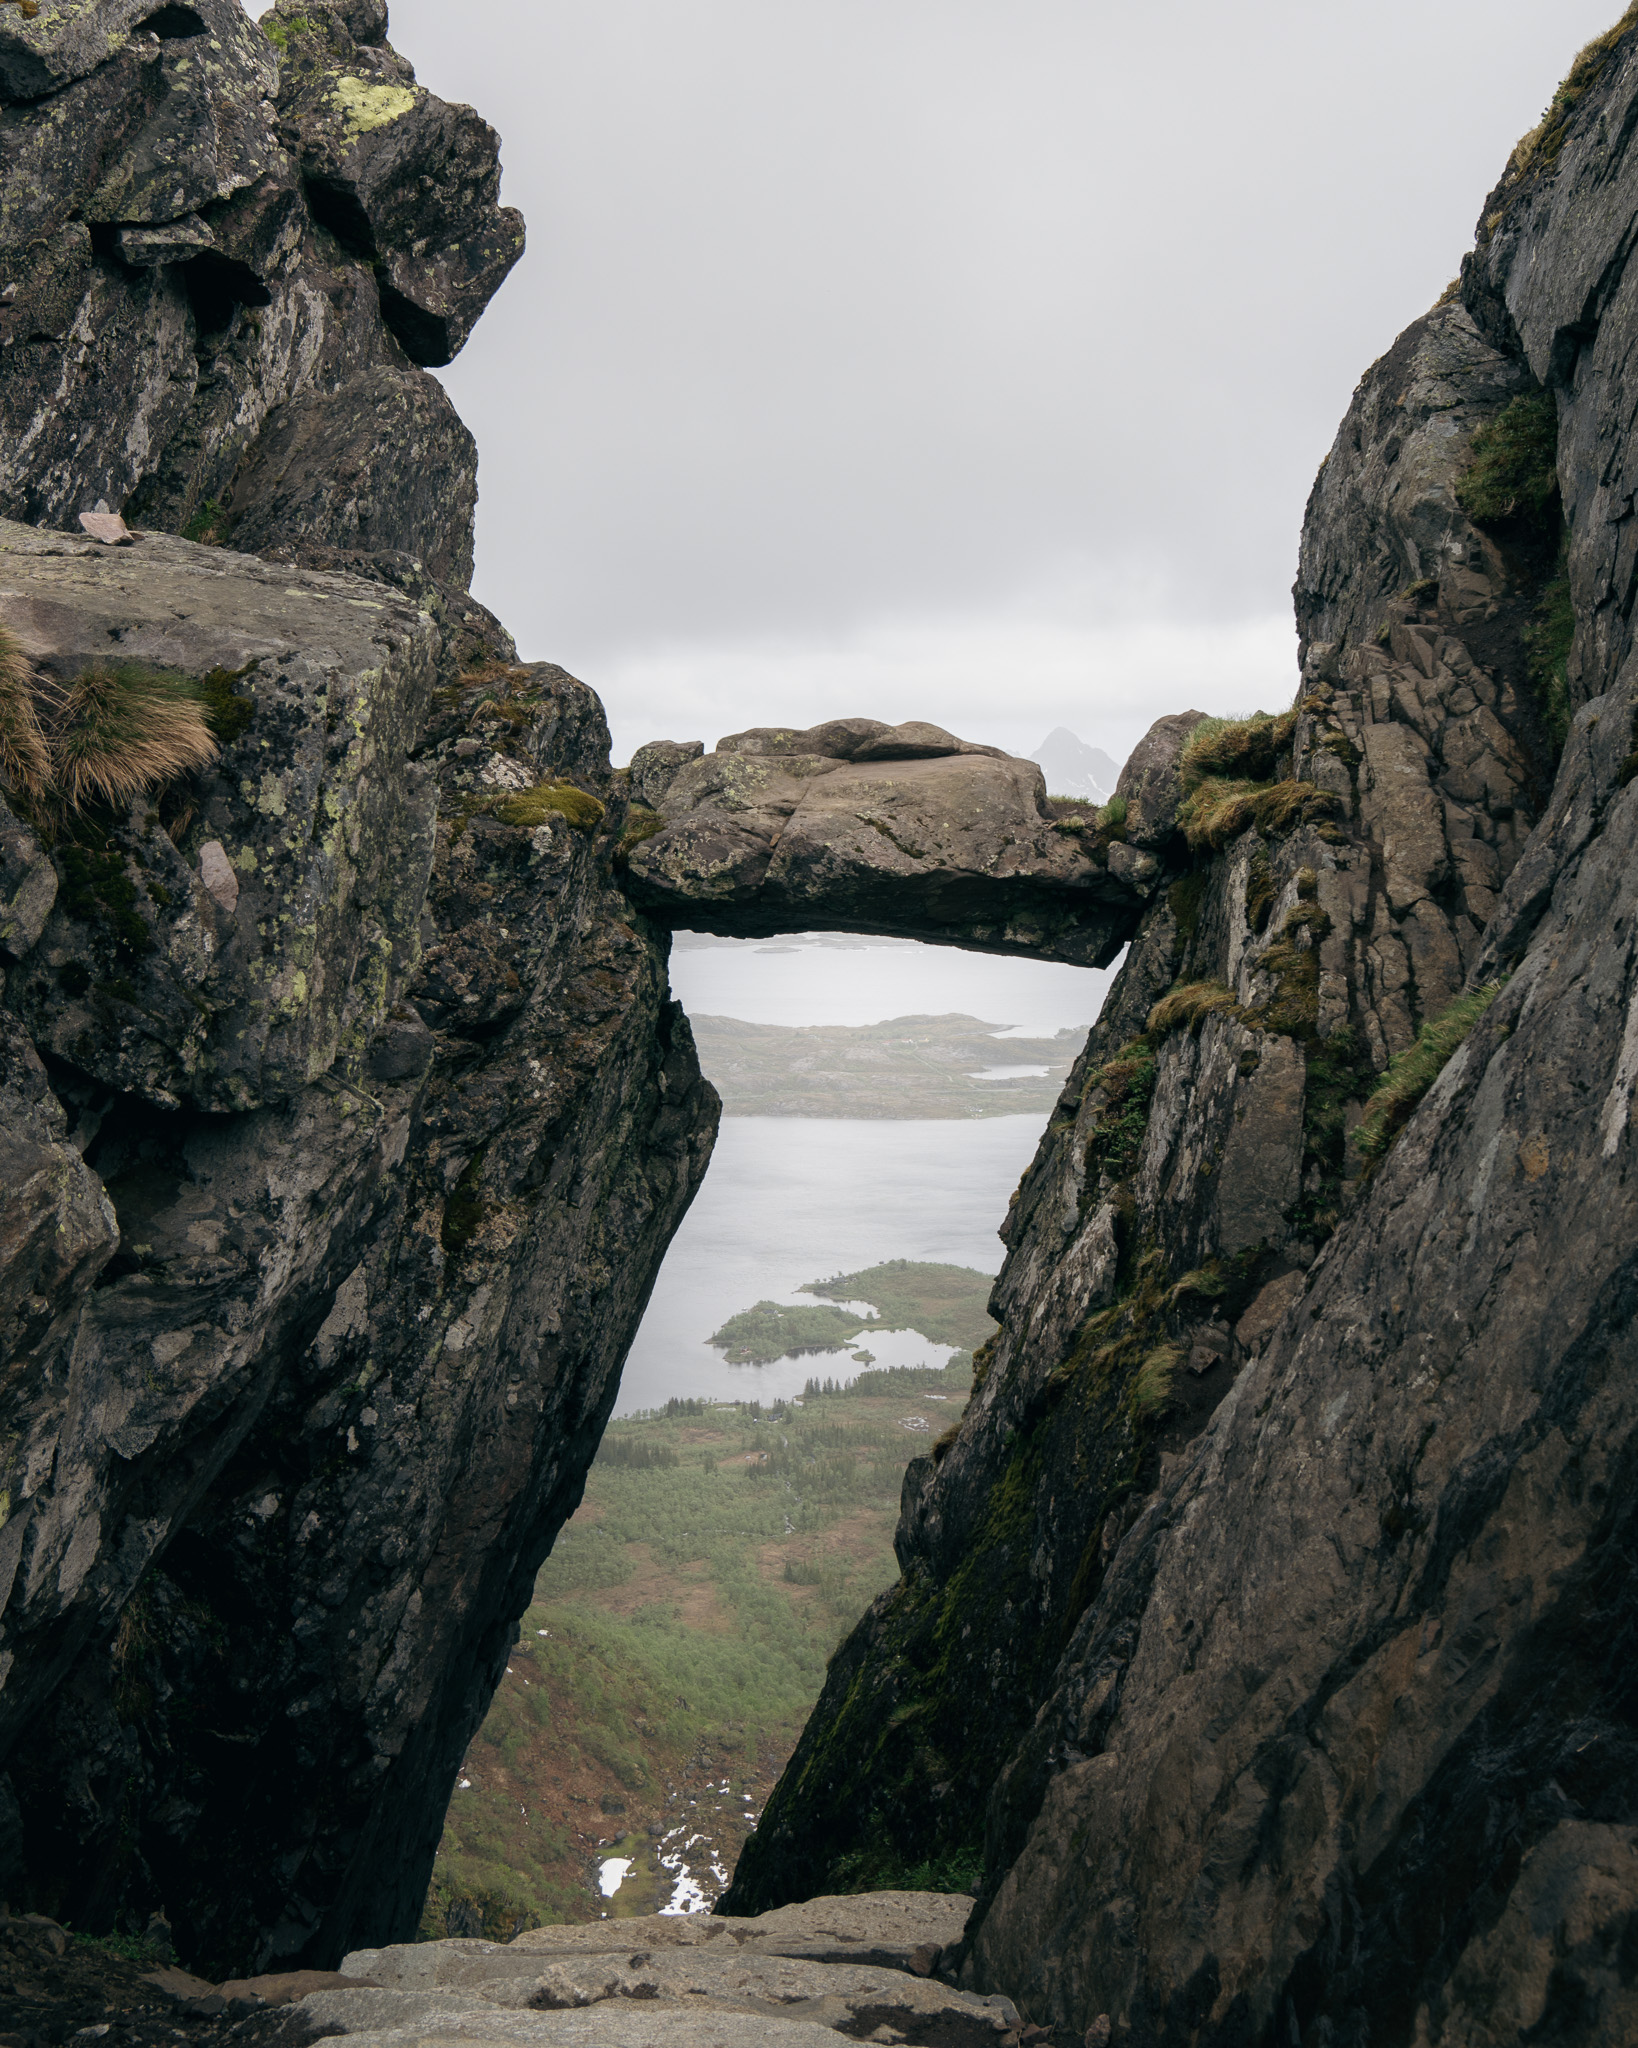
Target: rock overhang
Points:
(886, 830)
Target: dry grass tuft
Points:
(119, 731)
(1188, 1007)
(1539, 149)
(25, 758)
(1412, 1073)
(1218, 810)
(1240, 748)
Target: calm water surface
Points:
(793, 1199)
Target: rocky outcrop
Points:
(1259, 1628)
(863, 827)
(226, 249)
(362, 1126)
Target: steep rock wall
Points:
(362, 1125)
(225, 249)
(345, 1116)
(1269, 1609)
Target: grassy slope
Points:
(680, 1628)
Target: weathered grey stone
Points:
(654, 767)
(57, 1232)
(855, 826)
(1150, 785)
(331, 1324)
(829, 1962)
(28, 886)
(400, 177)
(195, 329)
(194, 992)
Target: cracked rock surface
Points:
(858, 826)
(226, 250)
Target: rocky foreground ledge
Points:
(871, 1967)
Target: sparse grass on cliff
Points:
(1539, 149)
(1218, 810)
(1412, 1073)
(1188, 1007)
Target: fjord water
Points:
(793, 1199)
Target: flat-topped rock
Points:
(228, 945)
(902, 830)
(843, 1963)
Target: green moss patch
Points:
(529, 808)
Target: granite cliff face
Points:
(228, 248)
(1265, 1627)
(345, 1116)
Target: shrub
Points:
(25, 759)
(119, 731)
(1188, 1007)
(1412, 1073)
(1514, 471)
(1244, 748)
(1116, 1136)
(1112, 818)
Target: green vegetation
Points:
(531, 807)
(1245, 748)
(1412, 1073)
(1112, 818)
(944, 1303)
(1228, 770)
(1220, 809)
(947, 1304)
(209, 525)
(1128, 1085)
(227, 713)
(1188, 1007)
(641, 824)
(97, 885)
(1513, 474)
(757, 1336)
(679, 1635)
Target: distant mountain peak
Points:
(1073, 768)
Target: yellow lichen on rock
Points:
(366, 106)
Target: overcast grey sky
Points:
(953, 359)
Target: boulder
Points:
(859, 826)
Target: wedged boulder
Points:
(226, 947)
(859, 826)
